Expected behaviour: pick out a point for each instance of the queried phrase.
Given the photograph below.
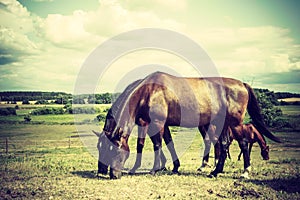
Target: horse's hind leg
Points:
(156, 140)
(142, 130)
(207, 145)
(170, 145)
(239, 156)
(224, 144)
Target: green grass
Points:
(49, 161)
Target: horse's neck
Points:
(260, 139)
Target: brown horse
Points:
(252, 135)
(245, 131)
(161, 100)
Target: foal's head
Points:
(265, 153)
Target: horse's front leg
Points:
(244, 148)
(170, 145)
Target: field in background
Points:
(46, 160)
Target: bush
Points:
(267, 102)
(80, 110)
(48, 111)
(8, 111)
(100, 117)
(27, 118)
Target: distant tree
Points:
(104, 98)
(25, 101)
(42, 101)
(61, 100)
(78, 100)
(91, 99)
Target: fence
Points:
(8, 145)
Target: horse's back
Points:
(196, 100)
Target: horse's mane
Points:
(118, 105)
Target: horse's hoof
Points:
(212, 175)
(153, 172)
(131, 173)
(176, 172)
(163, 169)
(200, 169)
(245, 175)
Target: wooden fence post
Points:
(69, 142)
(6, 145)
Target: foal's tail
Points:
(254, 112)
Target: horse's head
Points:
(265, 153)
(103, 161)
(113, 148)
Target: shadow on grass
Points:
(89, 174)
(289, 184)
(167, 172)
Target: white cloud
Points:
(68, 31)
(246, 51)
(90, 28)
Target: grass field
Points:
(47, 160)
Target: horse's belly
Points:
(189, 118)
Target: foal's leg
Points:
(250, 148)
(244, 147)
(142, 130)
(170, 145)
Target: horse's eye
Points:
(100, 144)
(111, 148)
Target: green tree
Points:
(267, 103)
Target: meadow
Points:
(46, 159)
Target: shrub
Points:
(27, 118)
(48, 111)
(8, 111)
(100, 117)
(267, 103)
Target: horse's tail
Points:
(254, 112)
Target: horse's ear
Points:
(96, 133)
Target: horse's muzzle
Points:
(115, 174)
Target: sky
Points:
(45, 43)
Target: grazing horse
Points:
(249, 132)
(161, 100)
(245, 131)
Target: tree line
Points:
(56, 98)
(268, 101)
(103, 98)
